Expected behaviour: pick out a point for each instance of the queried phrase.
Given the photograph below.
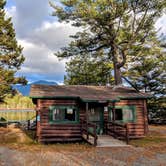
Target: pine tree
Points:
(11, 56)
(114, 26)
(87, 71)
(148, 73)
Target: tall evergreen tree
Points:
(114, 26)
(147, 72)
(83, 70)
(11, 56)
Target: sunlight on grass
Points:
(147, 141)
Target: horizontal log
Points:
(46, 131)
(124, 134)
(44, 116)
(44, 121)
(60, 128)
(136, 136)
(58, 125)
(44, 113)
(57, 101)
(60, 139)
(130, 101)
(61, 135)
(130, 130)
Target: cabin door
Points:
(96, 115)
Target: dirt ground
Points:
(18, 149)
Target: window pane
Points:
(64, 114)
(70, 114)
(94, 114)
(128, 114)
(118, 114)
(58, 114)
(124, 113)
(110, 115)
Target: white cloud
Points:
(40, 46)
(28, 15)
(40, 60)
(161, 24)
(40, 37)
(54, 35)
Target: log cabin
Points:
(66, 113)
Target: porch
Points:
(103, 124)
(115, 134)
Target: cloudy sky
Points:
(41, 35)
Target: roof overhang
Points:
(54, 97)
(134, 97)
(76, 98)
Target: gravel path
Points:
(88, 157)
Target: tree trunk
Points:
(117, 71)
(117, 74)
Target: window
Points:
(94, 114)
(63, 114)
(123, 113)
(118, 114)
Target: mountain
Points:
(25, 89)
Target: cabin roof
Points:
(85, 93)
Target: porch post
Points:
(113, 112)
(87, 135)
(145, 117)
(87, 111)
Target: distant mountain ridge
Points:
(25, 89)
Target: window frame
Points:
(51, 109)
(129, 107)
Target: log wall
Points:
(48, 132)
(140, 127)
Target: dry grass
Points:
(16, 137)
(22, 150)
(13, 135)
(24, 140)
(154, 141)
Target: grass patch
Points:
(155, 137)
(17, 138)
(14, 136)
(147, 141)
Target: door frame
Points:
(99, 130)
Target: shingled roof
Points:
(99, 93)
